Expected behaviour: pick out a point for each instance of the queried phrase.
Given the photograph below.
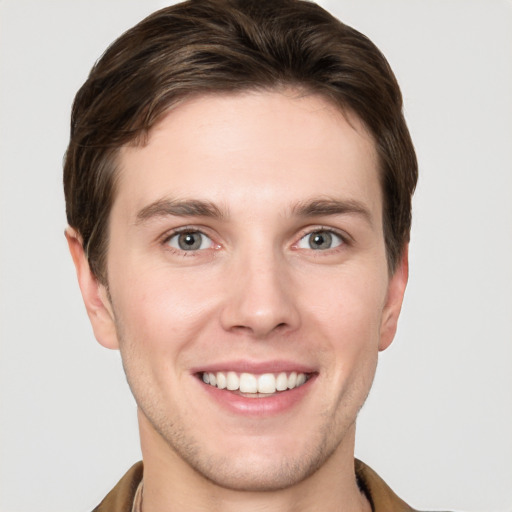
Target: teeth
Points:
(248, 383)
(266, 383)
(282, 382)
(232, 381)
(221, 380)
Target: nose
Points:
(260, 297)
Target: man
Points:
(238, 186)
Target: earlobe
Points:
(94, 294)
(394, 299)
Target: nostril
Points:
(240, 328)
(255, 331)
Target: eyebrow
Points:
(320, 207)
(179, 208)
(200, 208)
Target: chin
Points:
(255, 464)
(257, 473)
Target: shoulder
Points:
(120, 498)
(380, 495)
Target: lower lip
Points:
(259, 406)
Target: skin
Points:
(256, 291)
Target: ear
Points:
(394, 299)
(94, 294)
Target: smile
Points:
(266, 383)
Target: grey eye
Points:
(320, 240)
(190, 241)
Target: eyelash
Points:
(181, 231)
(345, 239)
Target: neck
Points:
(170, 484)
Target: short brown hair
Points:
(202, 46)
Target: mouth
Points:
(251, 385)
(261, 389)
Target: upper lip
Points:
(255, 367)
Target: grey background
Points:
(438, 424)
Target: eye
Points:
(190, 241)
(320, 240)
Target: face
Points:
(248, 285)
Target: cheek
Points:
(162, 310)
(352, 305)
(349, 317)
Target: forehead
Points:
(276, 147)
